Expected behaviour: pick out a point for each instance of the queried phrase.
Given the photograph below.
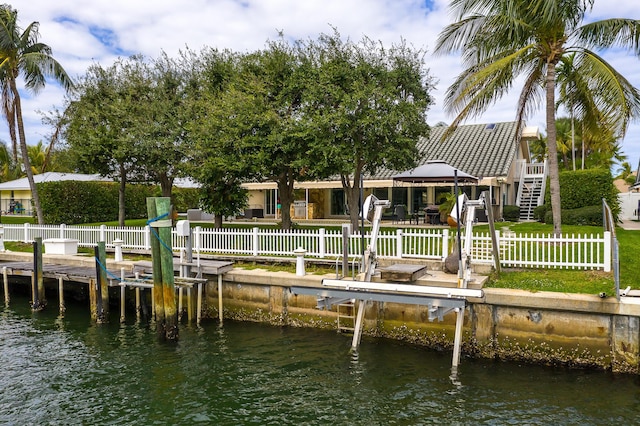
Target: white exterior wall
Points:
(629, 205)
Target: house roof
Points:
(23, 183)
(482, 150)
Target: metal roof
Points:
(23, 183)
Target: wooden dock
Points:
(136, 275)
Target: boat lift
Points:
(439, 300)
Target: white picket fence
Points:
(531, 251)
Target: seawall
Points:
(574, 330)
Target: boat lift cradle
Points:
(439, 300)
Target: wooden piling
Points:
(5, 280)
(38, 301)
(61, 295)
(138, 307)
(102, 285)
(122, 297)
(159, 211)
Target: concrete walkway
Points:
(630, 225)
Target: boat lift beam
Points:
(437, 306)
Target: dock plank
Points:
(402, 272)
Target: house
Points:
(15, 195)
(492, 152)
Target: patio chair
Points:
(400, 213)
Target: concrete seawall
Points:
(573, 330)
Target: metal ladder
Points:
(346, 316)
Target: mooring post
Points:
(457, 340)
(102, 286)
(61, 294)
(159, 211)
(179, 303)
(122, 296)
(38, 301)
(138, 307)
(189, 305)
(93, 298)
(220, 312)
(199, 304)
(5, 280)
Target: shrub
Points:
(540, 212)
(590, 215)
(511, 213)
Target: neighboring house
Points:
(492, 152)
(15, 195)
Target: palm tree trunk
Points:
(25, 155)
(554, 177)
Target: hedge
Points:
(76, 202)
(580, 189)
(590, 215)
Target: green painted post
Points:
(39, 302)
(159, 211)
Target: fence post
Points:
(103, 233)
(399, 238)
(196, 239)
(445, 243)
(607, 251)
(62, 229)
(321, 245)
(147, 237)
(26, 233)
(256, 241)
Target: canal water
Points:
(67, 371)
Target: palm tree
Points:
(37, 158)
(501, 40)
(22, 55)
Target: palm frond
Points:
(608, 33)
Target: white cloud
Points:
(73, 28)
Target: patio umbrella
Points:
(435, 171)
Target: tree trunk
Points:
(25, 155)
(166, 184)
(285, 192)
(554, 177)
(352, 190)
(121, 191)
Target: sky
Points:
(81, 33)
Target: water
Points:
(67, 371)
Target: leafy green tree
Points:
(103, 116)
(162, 119)
(255, 128)
(367, 106)
(21, 54)
(501, 40)
(216, 151)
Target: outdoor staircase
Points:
(531, 189)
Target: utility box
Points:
(183, 228)
(61, 246)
